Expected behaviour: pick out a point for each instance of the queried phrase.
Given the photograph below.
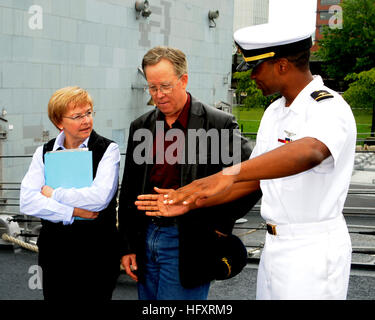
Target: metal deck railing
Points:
(9, 205)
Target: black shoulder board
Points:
(321, 95)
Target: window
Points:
(329, 2)
(325, 15)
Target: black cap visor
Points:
(245, 66)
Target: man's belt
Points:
(298, 229)
(163, 221)
(271, 229)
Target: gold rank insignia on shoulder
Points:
(321, 95)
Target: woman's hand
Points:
(77, 212)
(82, 213)
(47, 191)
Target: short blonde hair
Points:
(60, 100)
(173, 55)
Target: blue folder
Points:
(71, 168)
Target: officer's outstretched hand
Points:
(197, 192)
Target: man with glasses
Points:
(169, 257)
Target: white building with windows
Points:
(99, 45)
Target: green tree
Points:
(351, 48)
(361, 92)
(254, 96)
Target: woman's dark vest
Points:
(106, 220)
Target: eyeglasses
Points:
(80, 117)
(164, 88)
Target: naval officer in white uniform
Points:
(307, 251)
(303, 161)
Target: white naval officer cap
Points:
(265, 41)
(291, 24)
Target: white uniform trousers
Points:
(306, 261)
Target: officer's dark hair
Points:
(299, 59)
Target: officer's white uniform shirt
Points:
(319, 193)
(314, 263)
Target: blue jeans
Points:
(162, 279)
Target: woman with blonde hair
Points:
(78, 240)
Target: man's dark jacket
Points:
(196, 228)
